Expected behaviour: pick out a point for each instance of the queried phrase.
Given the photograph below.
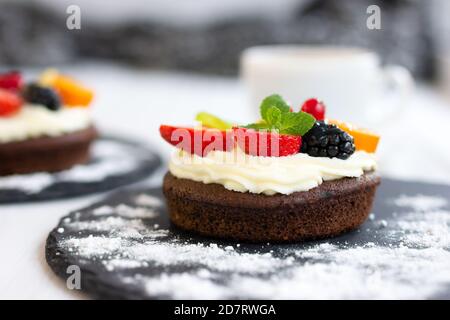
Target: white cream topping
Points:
(35, 121)
(240, 172)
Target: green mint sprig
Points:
(276, 115)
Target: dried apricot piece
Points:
(365, 139)
(71, 91)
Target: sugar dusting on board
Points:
(110, 158)
(420, 202)
(124, 210)
(411, 262)
(147, 200)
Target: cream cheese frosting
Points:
(35, 121)
(240, 172)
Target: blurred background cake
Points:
(45, 124)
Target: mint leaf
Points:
(296, 123)
(273, 117)
(277, 116)
(274, 100)
(257, 126)
(289, 120)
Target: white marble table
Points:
(134, 103)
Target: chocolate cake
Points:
(48, 154)
(328, 210)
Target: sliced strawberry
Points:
(10, 103)
(11, 80)
(267, 143)
(198, 141)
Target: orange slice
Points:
(71, 91)
(365, 140)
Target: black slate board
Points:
(101, 282)
(143, 162)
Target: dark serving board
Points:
(115, 162)
(126, 248)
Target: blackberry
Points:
(327, 140)
(36, 94)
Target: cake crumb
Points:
(382, 224)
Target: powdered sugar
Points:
(124, 210)
(135, 212)
(148, 200)
(94, 247)
(200, 286)
(103, 210)
(30, 183)
(115, 226)
(420, 202)
(174, 253)
(407, 258)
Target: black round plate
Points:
(115, 162)
(126, 248)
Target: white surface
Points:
(135, 103)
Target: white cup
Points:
(350, 81)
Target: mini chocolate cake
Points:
(330, 209)
(275, 165)
(48, 154)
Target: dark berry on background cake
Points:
(45, 125)
(36, 94)
(290, 176)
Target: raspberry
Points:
(327, 140)
(11, 80)
(315, 108)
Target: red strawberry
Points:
(267, 143)
(198, 141)
(9, 103)
(315, 108)
(11, 80)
